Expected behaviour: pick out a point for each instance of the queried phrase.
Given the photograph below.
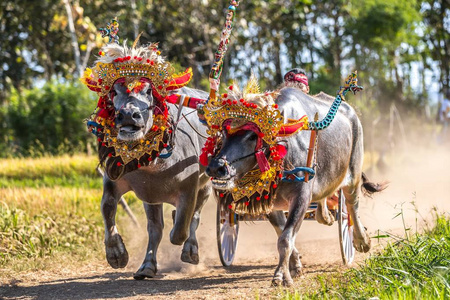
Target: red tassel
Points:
(104, 113)
(262, 161)
(282, 151)
(101, 102)
(208, 148)
(204, 159)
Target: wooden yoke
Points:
(312, 147)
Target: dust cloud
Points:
(419, 180)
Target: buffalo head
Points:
(133, 111)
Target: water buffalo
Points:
(146, 147)
(339, 166)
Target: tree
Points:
(436, 14)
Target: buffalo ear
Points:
(274, 94)
(147, 88)
(119, 88)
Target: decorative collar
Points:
(120, 157)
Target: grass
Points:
(68, 171)
(49, 212)
(414, 267)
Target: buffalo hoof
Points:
(190, 252)
(362, 244)
(325, 218)
(116, 253)
(189, 257)
(282, 280)
(277, 282)
(296, 272)
(295, 265)
(145, 271)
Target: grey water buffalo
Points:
(147, 147)
(339, 161)
(178, 180)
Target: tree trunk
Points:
(277, 58)
(73, 36)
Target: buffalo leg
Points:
(286, 241)
(189, 253)
(116, 252)
(155, 226)
(184, 213)
(278, 221)
(323, 215)
(361, 239)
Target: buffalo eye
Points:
(253, 137)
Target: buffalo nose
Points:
(128, 116)
(217, 168)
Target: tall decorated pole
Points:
(216, 69)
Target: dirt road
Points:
(422, 177)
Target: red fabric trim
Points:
(291, 128)
(190, 102)
(180, 81)
(173, 98)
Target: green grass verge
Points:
(416, 267)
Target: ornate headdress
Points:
(133, 67)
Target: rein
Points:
(246, 156)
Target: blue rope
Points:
(285, 178)
(94, 124)
(168, 154)
(351, 85)
(320, 125)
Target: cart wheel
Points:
(345, 231)
(227, 229)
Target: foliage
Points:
(53, 216)
(436, 15)
(50, 218)
(48, 120)
(395, 46)
(24, 237)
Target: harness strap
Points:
(289, 176)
